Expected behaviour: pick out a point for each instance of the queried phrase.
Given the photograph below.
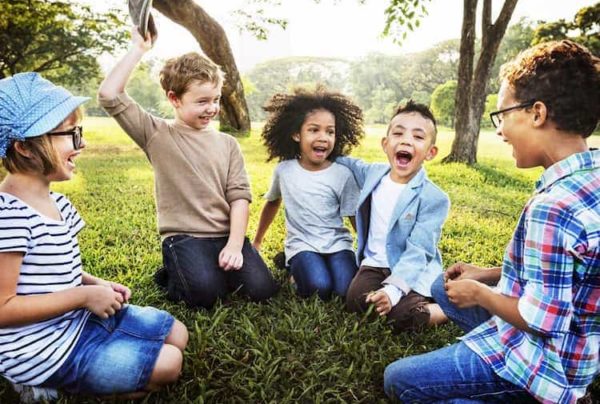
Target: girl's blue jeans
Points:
(454, 374)
(323, 274)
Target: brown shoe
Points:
(139, 11)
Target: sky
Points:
(335, 28)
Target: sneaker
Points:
(161, 278)
(33, 394)
(139, 11)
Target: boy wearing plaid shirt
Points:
(537, 335)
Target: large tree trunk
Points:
(234, 117)
(472, 88)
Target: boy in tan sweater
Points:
(201, 186)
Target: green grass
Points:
(290, 349)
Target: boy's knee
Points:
(205, 295)
(390, 375)
(438, 289)
(355, 300)
(262, 291)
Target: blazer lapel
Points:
(406, 197)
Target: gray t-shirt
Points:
(315, 204)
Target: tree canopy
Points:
(60, 39)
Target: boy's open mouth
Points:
(403, 158)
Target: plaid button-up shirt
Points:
(552, 264)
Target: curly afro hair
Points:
(563, 75)
(287, 114)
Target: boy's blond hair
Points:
(178, 73)
(43, 158)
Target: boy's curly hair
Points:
(563, 75)
(287, 114)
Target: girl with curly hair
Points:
(306, 131)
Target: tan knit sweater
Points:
(197, 173)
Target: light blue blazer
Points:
(415, 226)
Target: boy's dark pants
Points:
(410, 313)
(194, 275)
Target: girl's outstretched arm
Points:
(19, 310)
(266, 218)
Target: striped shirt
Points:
(29, 354)
(552, 265)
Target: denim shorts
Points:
(114, 355)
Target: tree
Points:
(472, 77)
(442, 102)
(57, 38)
(211, 37)
(585, 27)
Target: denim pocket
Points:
(177, 288)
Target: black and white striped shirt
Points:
(31, 353)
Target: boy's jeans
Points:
(195, 277)
(453, 374)
(466, 319)
(323, 273)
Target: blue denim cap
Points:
(31, 106)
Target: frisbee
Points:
(139, 11)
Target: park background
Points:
(290, 349)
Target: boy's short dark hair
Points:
(563, 75)
(287, 113)
(178, 73)
(422, 109)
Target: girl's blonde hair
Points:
(43, 158)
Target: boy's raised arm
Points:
(116, 80)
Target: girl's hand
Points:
(122, 289)
(382, 302)
(231, 258)
(102, 301)
(144, 44)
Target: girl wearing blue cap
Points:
(60, 327)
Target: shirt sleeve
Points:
(238, 185)
(15, 229)
(138, 124)
(548, 262)
(274, 192)
(393, 293)
(349, 196)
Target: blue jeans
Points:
(466, 319)
(114, 355)
(194, 275)
(453, 374)
(323, 273)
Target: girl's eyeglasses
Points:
(76, 133)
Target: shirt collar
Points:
(588, 160)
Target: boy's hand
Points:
(144, 44)
(461, 270)
(464, 293)
(102, 301)
(382, 302)
(231, 258)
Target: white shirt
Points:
(383, 202)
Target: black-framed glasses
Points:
(76, 133)
(496, 116)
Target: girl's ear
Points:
(296, 137)
(22, 149)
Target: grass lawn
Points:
(288, 350)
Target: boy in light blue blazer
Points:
(399, 222)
